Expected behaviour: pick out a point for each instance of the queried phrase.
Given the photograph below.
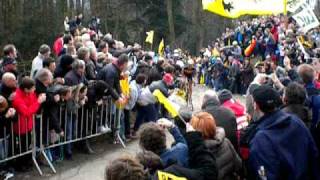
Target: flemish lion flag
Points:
(149, 38)
(237, 8)
(166, 103)
(161, 48)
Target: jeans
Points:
(145, 114)
(4, 146)
(70, 132)
(126, 122)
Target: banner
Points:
(306, 19)
(294, 5)
(237, 8)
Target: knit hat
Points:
(266, 97)
(224, 96)
(168, 78)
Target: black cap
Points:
(8, 60)
(267, 98)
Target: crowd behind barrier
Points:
(42, 139)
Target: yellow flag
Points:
(149, 38)
(125, 89)
(166, 103)
(167, 176)
(161, 48)
(237, 8)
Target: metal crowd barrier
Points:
(83, 124)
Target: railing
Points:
(83, 124)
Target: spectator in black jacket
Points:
(43, 79)
(7, 115)
(111, 74)
(224, 117)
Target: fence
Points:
(84, 123)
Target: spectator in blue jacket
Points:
(281, 147)
(152, 137)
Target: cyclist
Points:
(189, 71)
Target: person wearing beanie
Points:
(8, 65)
(64, 66)
(275, 142)
(227, 101)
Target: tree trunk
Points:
(170, 22)
(199, 23)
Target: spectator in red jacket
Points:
(226, 99)
(26, 104)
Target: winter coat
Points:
(224, 118)
(178, 153)
(202, 162)
(277, 145)
(6, 91)
(91, 73)
(57, 46)
(5, 124)
(49, 108)
(227, 159)
(26, 106)
(73, 79)
(146, 97)
(64, 66)
(236, 107)
(111, 75)
(161, 86)
(247, 75)
(52, 110)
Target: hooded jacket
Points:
(228, 161)
(224, 118)
(284, 147)
(202, 163)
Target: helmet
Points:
(180, 64)
(190, 62)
